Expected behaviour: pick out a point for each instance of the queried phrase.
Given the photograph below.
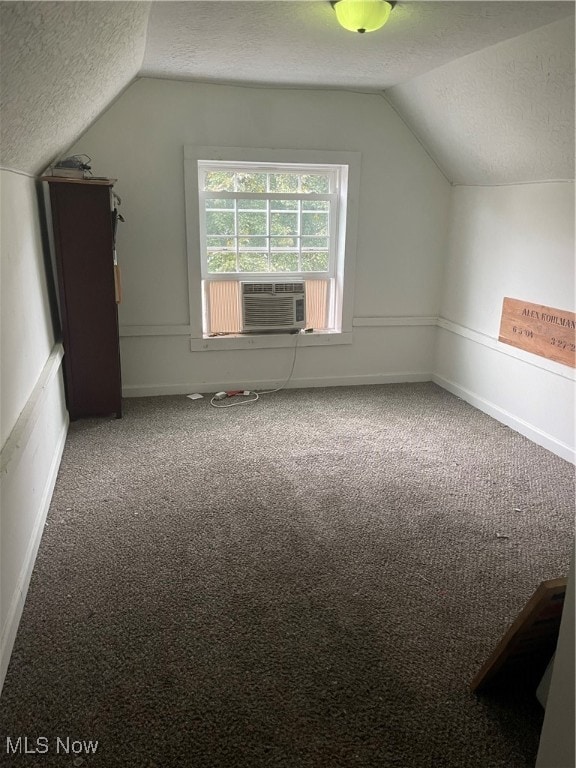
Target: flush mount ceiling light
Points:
(362, 15)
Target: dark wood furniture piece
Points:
(83, 223)
(525, 650)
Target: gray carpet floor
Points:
(310, 581)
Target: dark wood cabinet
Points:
(83, 225)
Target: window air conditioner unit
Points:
(273, 306)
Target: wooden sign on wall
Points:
(544, 331)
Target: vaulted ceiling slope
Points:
(501, 115)
(61, 64)
(487, 86)
(291, 42)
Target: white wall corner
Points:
(533, 433)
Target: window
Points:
(266, 220)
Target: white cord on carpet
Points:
(214, 402)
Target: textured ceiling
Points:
(487, 86)
(287, 42)
(61, 64)
(502, 115)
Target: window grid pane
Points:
(270, 181)
(224, 177)
(278, 239)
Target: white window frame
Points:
(333, 172)
(342, 261)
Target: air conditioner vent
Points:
(289, 287)
(248, 288)
(273, 306)
(257, 288)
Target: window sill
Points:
(270, 341)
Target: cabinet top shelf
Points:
(67, 180)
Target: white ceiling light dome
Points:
(362, 15)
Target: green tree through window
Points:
(267, 221)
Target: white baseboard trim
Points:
(328, 381)
(17, 603)
(505, 417)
